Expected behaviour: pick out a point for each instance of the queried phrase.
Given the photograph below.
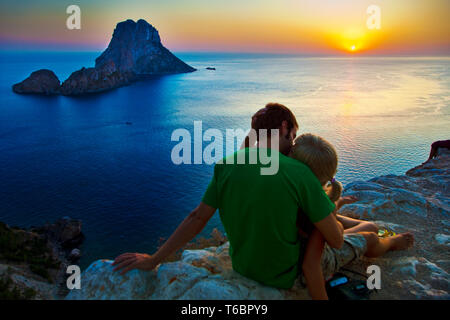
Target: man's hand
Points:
(186, 231)
(129, 261)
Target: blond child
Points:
(322, 159)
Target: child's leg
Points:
(378, 246)
(361, 244)
(354, 225)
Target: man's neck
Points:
(267, 144)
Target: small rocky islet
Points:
(134, 52)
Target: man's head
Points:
(277, 116)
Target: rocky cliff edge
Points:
(418, 201)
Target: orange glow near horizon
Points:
(356, 40)
(273, 26)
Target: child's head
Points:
(321, 157)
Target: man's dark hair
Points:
(272, 117)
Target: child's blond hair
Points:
(321, 157)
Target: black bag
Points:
(340, 287)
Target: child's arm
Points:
(312, 269)
(345, 200)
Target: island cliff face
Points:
(418, 202)
(135, 51)
(136, 47)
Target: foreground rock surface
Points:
(134, 52)
(417, 202)
(200, 274)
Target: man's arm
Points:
(186, 231)
(332, 230)
(311, 267)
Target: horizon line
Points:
(305, 54)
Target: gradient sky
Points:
(417, 27)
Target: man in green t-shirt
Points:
(258, 212)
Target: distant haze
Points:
(273, 26)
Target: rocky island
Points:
(134, 52)
(418, 201)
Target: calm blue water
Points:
(62, 156)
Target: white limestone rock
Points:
(201, 274)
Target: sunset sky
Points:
(415, 27)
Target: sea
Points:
(107, 158)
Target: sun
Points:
(351, 41)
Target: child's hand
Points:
(348, 200)
(345, 200)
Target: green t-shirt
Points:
(259, 214)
